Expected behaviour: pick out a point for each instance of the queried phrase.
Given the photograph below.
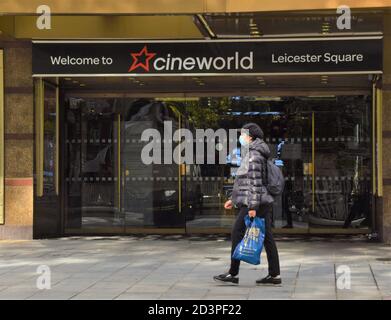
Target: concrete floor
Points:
(154, 267)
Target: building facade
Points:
(76, 99)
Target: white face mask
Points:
(243, 141)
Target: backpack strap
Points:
(264, 172)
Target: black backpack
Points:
(272, 175)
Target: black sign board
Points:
(209, 57)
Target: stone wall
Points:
(19, 141)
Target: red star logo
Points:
(136, 57)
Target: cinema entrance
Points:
(321, 128)
(321, 135)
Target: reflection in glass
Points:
(322, 144)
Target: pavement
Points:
(176, 267)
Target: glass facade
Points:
(322, 144)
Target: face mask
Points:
(242, 141)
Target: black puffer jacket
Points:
(248, 187)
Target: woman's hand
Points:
(228, 205)
(252, 213)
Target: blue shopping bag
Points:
(250, 248)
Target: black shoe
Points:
(269, 280)
(227, 278)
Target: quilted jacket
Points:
(248, 186)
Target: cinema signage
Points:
(208, 57)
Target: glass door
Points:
(110, 187)
(92, 172)
(342, 157)
(290, 139)
(152, 181)
(288, 132)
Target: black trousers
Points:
(238, 231)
